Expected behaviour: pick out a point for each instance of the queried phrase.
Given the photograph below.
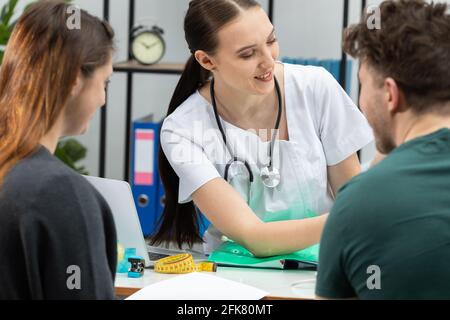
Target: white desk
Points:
(280, 284)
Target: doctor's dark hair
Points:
(203, 21)
(412, 47)
(42, 61)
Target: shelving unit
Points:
(343, 68)
(130, 67)
(134, 66)
(103, 114)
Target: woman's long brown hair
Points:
(42, 61)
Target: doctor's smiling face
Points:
(247, 50)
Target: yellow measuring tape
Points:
(182, 263)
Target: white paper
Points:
(198, 286)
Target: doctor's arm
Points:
(231, 215)
(342, 172)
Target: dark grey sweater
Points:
(57, 234)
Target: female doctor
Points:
(260, 147)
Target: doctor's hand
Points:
(231, 215)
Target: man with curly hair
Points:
(388, 234)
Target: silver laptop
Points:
(119, 197)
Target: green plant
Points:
(68, 151)
(6, 26)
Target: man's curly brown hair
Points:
(412, 47)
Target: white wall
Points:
(305, 28)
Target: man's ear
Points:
(205, 60)
(393, 96)
(78, 85)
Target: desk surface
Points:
(280, 284)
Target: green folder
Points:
(232, 254)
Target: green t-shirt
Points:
(392, 221)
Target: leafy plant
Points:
(68, 151)
(6, 26)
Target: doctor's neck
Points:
(241, 104)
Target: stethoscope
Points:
(270, 176)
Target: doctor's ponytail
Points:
(204, 19)
(179, 221)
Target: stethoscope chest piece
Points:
(270, 177)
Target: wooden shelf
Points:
(134, 66)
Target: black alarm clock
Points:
(147, 44)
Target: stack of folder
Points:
(146, 184)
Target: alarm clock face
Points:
(148, 48)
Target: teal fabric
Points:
(231, 253)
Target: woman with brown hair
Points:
(58, 239)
